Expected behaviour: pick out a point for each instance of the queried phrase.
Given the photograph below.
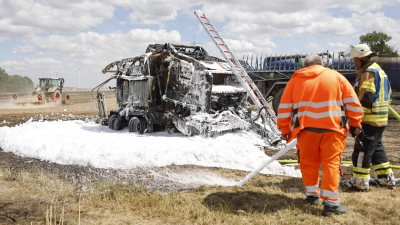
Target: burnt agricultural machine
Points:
(179, 88)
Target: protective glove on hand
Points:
(355, 131)
(285, 137)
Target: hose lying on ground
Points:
(290, 161)
(289, 146)
(394, 113)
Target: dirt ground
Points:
(81, 108)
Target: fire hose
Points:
(289, 146)
(293, 161)
(394, 113)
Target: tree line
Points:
(378, 42)
(15, 83)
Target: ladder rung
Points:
(237, 69)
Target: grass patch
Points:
(265, 199)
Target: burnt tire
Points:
(137, 125)
(277, 99)
(66, 99)
(56, 96)
(114, 123)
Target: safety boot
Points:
(312, 199)
(330, 210)
(387, 180)
(355, 183)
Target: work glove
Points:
(285, 137)
(358, 140)
(354, 131)
(358, 133)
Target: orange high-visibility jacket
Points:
(318, 97)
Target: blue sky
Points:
(76, 39)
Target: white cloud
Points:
(338, 46)
(26, 17)
(313, 47)
(89, 51)
(96, 45)
(363, 6)
(376, 21)
(92, 33)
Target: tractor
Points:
(51, 90)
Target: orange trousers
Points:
(316, 150)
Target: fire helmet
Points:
(359, 51)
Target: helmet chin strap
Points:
(363, 61)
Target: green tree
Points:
(3, 80)
(377, 41)
(14, 83)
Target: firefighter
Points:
(373, 89)
(314, 108)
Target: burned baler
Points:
(177, 87)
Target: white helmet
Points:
(359, 51)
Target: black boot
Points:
(312, 200)
(329, 210)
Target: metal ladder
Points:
(253, 92)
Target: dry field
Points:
(38, 192)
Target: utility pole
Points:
(194, 43)
(56, 74)
(79, 76)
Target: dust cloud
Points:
(24, 102)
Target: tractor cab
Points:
(49, 85)
(46, 83)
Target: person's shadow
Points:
(258, 201)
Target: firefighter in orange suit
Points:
(315, 107)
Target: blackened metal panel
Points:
(137, 92)
(191, 87)
(125, 90)
(119, 91)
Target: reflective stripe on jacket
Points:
(318, 97)
(378, 114)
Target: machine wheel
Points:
(277, 99)
(114, 123)
(137, 125)
(56, 96)
(66, 99)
